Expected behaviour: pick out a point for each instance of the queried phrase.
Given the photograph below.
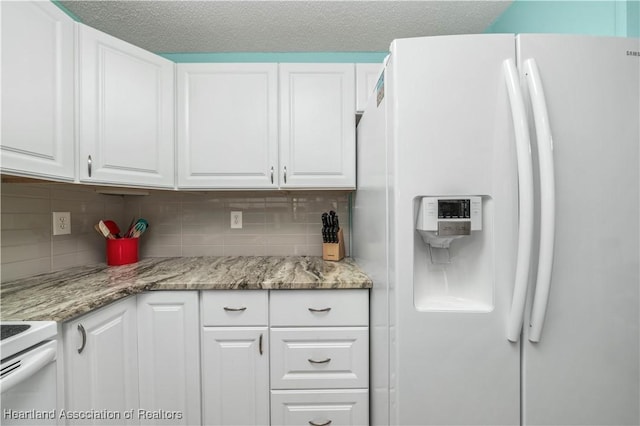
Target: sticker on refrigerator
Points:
(380, 90)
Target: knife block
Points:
(334, 251)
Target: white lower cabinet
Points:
(319, 357)
(235, 358)
(333, 407)
(235, 376)
(101, 366)
(169, 358)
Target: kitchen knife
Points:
(334, 227)
(325, 228)
(337, 225)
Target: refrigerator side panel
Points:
(585, 368)
(369, 248)
(453, 137)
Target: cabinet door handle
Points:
(324, 361)
(271, 174)
(229, 309)
(260, 344)
(84, 337)
(89, 161)
(319, 310)
(312, 423)
(285, 174)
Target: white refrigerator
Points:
(497, 212)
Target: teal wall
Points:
(65, 10)
(604, 18)
(633, 18)
(312, 57)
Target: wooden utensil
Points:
(105, 230)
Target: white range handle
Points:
(525, 203)
(547, 199)
(29, 365)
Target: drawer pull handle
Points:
(260, 344)
(319, 310)
(324, 361)
(228, 309)
(312, 423)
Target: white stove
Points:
(18, 336)
(28, 378)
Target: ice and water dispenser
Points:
(453, 253)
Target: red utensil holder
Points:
(122, 251)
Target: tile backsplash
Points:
(27, 246)
(180, 224)
(199, 223)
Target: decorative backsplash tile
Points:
(181, 224)
(198, 223)
(27, 246)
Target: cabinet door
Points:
(317, 124)
(37, 91)
(125, 112)
(227, 125)
(169, 356)
(235, 376)
(101, 364)
(335, 407)
(366, 79)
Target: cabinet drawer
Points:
(319, 308)
(320, 407)
(234, 307)
(319, 358)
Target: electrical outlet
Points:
(61, 223)
(236, 220)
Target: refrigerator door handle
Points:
(547, 198)
(525, 202)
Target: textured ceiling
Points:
(281, 26)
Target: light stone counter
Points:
(60, 296)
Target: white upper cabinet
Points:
(233, 135)
(317, 125)
(37, 91)
(227, 125)
(366, 79)
(126, 113)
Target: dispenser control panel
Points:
(456, 209)
(450, 215)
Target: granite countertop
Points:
(60, 296)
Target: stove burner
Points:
(9, 330)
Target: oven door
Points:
(28, 385)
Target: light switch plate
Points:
(61, 223)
